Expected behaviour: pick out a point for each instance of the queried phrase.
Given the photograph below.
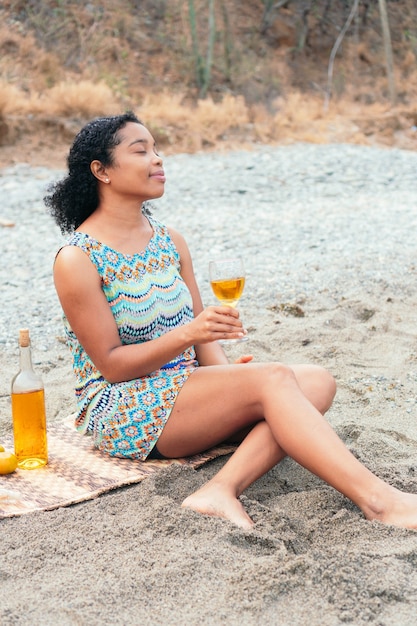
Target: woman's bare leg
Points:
(218, 402)
(257, 454)
(316, 384)
(245, 395)
(219, 496)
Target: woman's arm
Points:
(89, 315)
(207, 353)
(79, 290)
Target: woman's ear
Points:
(99, 171)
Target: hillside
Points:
(270, 79)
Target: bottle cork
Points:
(24, 340)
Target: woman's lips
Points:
(160, 175)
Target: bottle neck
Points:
(25, 358)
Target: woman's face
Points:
(137, 168)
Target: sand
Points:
(134, 556)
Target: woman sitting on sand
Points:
(152, 379)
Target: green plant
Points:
(227, 43)
(202, 65)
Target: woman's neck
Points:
(127, 231)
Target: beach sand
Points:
(134, 556)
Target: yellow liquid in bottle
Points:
(29, 429)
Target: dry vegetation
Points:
(63, 62)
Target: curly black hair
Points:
(71, 200)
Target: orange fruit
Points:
(1, 449)
(8, 462)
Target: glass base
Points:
(29, 464)
(226, 342)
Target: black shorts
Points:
(155, 454)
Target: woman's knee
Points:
(277, 374)
(328, 384)
(317, 384)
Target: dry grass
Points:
(67, 99)
(83, 99)
(62, 63)
(12, 99)
(193, 127)
(183, 126)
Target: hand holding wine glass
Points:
(227, 280)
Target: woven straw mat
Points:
(76, 472)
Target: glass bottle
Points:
(28, 411)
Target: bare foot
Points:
(213, 499)
(397, 509)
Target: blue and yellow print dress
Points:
(148, 298)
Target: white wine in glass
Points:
(227, 280)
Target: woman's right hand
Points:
(217, 322)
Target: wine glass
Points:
(227, 279)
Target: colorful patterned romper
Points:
(147, 297)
